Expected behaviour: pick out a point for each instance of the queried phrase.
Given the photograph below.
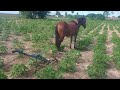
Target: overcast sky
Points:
(116, 13)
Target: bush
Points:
(32, 62)
(4, 37)
(1, 62)
(26, 37)
(67, 65)
(96, 71)
(84, 43)
(18, 44)
(3, 49)
(2, 75)
(48, 73)
(18, 70)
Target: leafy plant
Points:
(3, 49)
(4, 37)
(67, 65)
(18, 44)
(96, 71)
(2, 74)
(84, 43)
(18, 70)
(32, 62)
(26, 37)
(1, 62)
(48, 73)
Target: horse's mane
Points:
(74, 21)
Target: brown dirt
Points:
(84, 62)
(95, 28)
(116, 31)
(102, 30)
(109, 44)
(10, 58)
(81, 72)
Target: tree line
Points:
(43, 14)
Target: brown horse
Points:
(71, 29)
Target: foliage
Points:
(48, 73)
(18, 44)
(18, 70)
(2, 74)
(67, 64)
(3, 49)
(1, 62)
(34, 14)
(96, 16)
(26, 37)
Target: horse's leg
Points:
(60, 41)
(75, 37)
(70, 41)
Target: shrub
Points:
(1, 62)
(18, 70)
(2, 74)
(96, 71)
(3, 49)
(48, 73)
(67, 65)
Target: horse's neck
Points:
(76, 21)
(79, 26)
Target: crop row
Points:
(97, 69)
(116, 50)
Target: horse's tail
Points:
(57, 36)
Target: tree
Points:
(77, 13)
(34, 14)
(96, 16)
(72, 11)
(65, 14)
(107, 13)
(91, 16)
(100, 17)
(118, 16)
(42, 14)
(58, 14)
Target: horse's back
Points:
(61, 27)
(66, 29)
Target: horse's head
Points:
(82, 21)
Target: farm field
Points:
(97, 55)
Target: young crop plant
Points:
(48, 73)
(18, 70)
(3, 49)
